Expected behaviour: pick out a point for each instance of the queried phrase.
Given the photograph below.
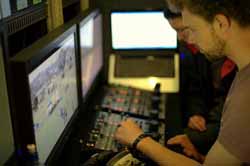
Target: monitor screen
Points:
(54, 98)
(91, 50)
(142, 30)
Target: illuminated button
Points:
(136, 100)
(137, 93)
(95, 130)
(95, 136)
(123, 92)
(120, 100)
(90, 144)
(121, 109)
(134, 110)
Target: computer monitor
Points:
(46, 93)
(141, 30)
(91, 50)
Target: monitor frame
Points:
(8, 139)
(141, 51)
(83, 19)
(22, 65)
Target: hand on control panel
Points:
(188, 147)
(127, 132)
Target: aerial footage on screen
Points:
(54, 96)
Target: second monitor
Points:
(91, 50)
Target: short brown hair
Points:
(238, 10)
(177, 3)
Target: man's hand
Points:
(127, 132)
(197, 122)
(188, 148)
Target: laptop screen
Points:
(141, 30)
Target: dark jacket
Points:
(195, 83)
(204, 87)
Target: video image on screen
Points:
(142, 30)
(91, 52)
(54, 98)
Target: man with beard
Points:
(203, 88)
(217, 27)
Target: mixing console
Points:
(135, 101)
(102, 134)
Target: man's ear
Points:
(221, 25)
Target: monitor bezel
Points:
(83, 19)
(140, 51)
(9, 149)
(22, 65)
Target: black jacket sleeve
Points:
(195, 83)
